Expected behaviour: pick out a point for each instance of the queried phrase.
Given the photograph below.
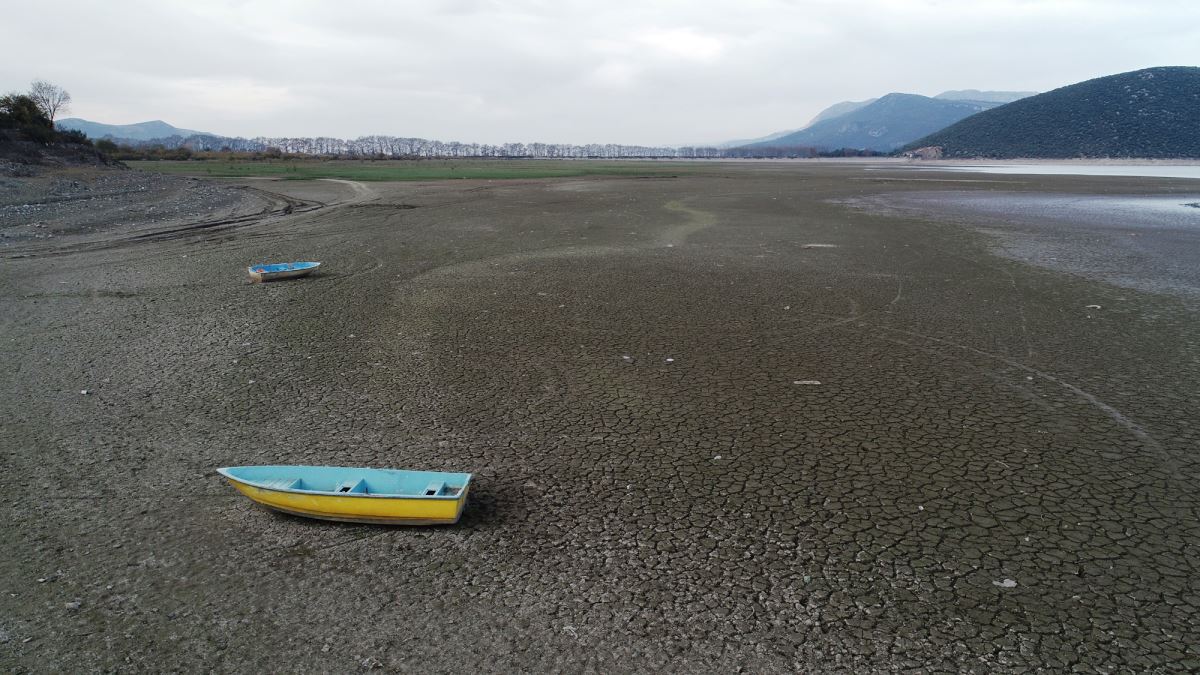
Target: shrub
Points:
(74, 136)
(18, 111)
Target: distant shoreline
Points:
(953, 162)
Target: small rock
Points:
(73, 605)
(1005, 583)
(84, 392)
(806, 382)
(1091, 306)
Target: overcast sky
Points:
(663, 73)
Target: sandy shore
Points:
(719, 422)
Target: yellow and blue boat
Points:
(383, 496)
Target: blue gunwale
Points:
(284, 267)
(412, 481)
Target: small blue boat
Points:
(277, 271)
(385, 496)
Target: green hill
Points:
(1151, 113)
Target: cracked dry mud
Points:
(989, 476)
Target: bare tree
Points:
(50, 98)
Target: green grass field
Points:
(397, 170)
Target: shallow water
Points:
(1147, 170)
(1149, 243)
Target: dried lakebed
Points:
(720, 421)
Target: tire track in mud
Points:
(278, 206)
(227, 231)
(321, 285)
(1117, 416)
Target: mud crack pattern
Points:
(701, 442)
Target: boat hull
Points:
(380, 509)
(375, 510)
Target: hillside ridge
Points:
(1152, 113)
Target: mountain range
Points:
(886, 123)
(1151, 113)
(142, 131)
(882, 125)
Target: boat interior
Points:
(285, 267)
(352, 481)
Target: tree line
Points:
(32, 114)
(393, 147)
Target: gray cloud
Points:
(629, 72)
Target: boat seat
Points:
(352, 486)
(434, 489)
(283, 483)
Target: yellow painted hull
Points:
(359, 508)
